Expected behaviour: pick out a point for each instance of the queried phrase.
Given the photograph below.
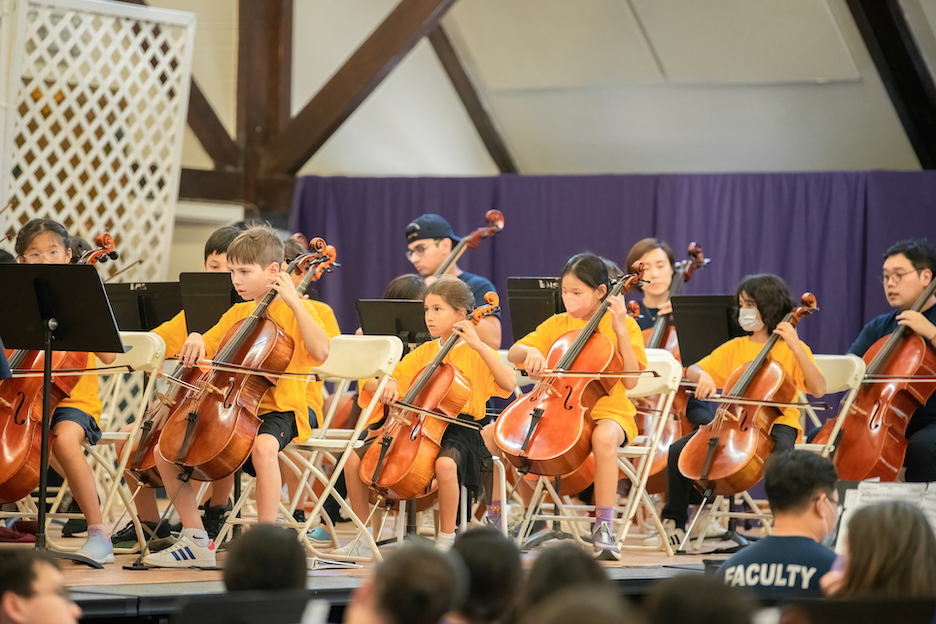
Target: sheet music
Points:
(871, 492)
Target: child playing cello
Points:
(463, 456)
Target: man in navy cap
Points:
(429, 241)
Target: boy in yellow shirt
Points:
(763, 301)
(255, 260)
(174, 332)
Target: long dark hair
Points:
(36, 227)
(589, 269)
(771, 295)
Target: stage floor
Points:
(114, 592)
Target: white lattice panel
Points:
(98, 96)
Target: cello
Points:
(211, 431)
(872, 441)
(401, 466)
(21, 401)
(727, 455)
(547, 431)
(495, 223)
(663, 335)
(141, 468)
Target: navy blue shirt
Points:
(479, 286)
(885, 325)
(4, 366)
(647, 317)
(779, 568)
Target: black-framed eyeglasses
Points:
(419, 250)
(895, 277)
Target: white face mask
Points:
(747, 318)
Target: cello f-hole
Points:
(21, 400)
(568, 398)
(874, 422)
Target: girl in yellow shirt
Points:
(585, 285)
(763, 301)
(462, 457)
(76, 417)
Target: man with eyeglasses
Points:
(32, 590)
(429, 241)
(789, 562)
(909, 267)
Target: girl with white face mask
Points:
(763, 301)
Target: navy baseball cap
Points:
(429, 226)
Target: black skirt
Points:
(475, 464)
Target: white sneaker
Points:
(673, 535)
(357, 547)
(714, 528)
(444, 544)
(185, 553)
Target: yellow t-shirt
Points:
(723, 361)
(173, 332)
(615, 404)
(85, 395)
(289, 393)
(314, 388)
(465, 359)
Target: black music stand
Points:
(705, 323)
(403, 318)
(143, 306)
(532, 301)
(65, 305)
(205, 298)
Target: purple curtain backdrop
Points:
(823, 232)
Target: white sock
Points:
(445, 538)
(198, 536)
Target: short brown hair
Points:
(642, 247)
(453, 291)
(256, 245)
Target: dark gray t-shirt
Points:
(779, 567)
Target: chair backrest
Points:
(360, 357)
(522, 380)
(841, 372)
(669, 372)
(147, 353)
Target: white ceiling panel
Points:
(542, 44)
(746, 41)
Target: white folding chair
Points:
(843, 373)
(146, 356)
(350, 358)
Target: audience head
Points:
(406, 286)
(697, 598)
(266, 557)
(32, 589)
(414, 585)
(583, 605)
(801, 485)
(891, 553)
(559, 567)
(494, 575)
(6, 257)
